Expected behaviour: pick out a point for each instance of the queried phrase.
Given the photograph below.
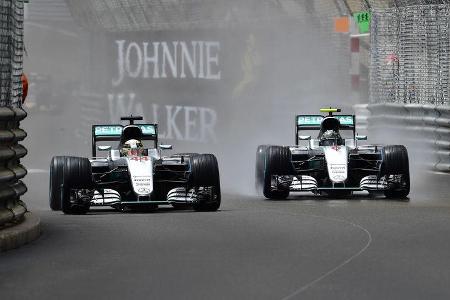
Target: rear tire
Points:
(278, 161)
(56, 180)
(259, 168)
(396, 163)
(205, 176)
(77, 174)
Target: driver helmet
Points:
(331, 138)
(330, 135)
(133, 144)
(133, 147)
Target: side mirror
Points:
(304, 137)
(361, 137)
(104, 148)
(165, 147)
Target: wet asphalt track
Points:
(304, 248)
(251, 249)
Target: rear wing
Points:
(313, 122)
(114, 132)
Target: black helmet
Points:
(330, 138)
(331, 135)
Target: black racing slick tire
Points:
(77, 174)
(56, 180)
(205, 179)
(395, 166)
(278, 161)
(259, 168)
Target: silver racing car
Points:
(133, 175)
(331, 163)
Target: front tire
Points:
(278, 161)
(205, 179)
(395, 167)
(77, 174)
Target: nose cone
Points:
(143, 192)
(140, 169)
(337, 162)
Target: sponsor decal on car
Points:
(345, 120)
(309, 120)
(316, 120)
(116, 130)
(336, 147)
(139, 158)
(144, 191)
(108, 130)
(338, 171)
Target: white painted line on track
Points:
(339, 266)
(37, 171)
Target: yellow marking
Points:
(328, 110)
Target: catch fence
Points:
(410, 55)
(12, 210)
(11, 52)
(409, 80)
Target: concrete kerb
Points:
(23, 233)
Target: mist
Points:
(221, 87)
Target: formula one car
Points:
(132, 175)
(331, 164)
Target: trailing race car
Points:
(133, 175)
(331, 164)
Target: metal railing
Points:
(424, 129)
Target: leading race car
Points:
(133, 175)
(331, 164)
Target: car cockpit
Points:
(132, 139)
(131, 142)
(329, 133)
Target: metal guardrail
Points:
(425, 129)
(12, 210)
(361, 114)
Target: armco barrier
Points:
(425, 129)
(12, 210)
(362, 114)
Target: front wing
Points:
(304, 183)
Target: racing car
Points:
(131, 175)
(331, 164)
